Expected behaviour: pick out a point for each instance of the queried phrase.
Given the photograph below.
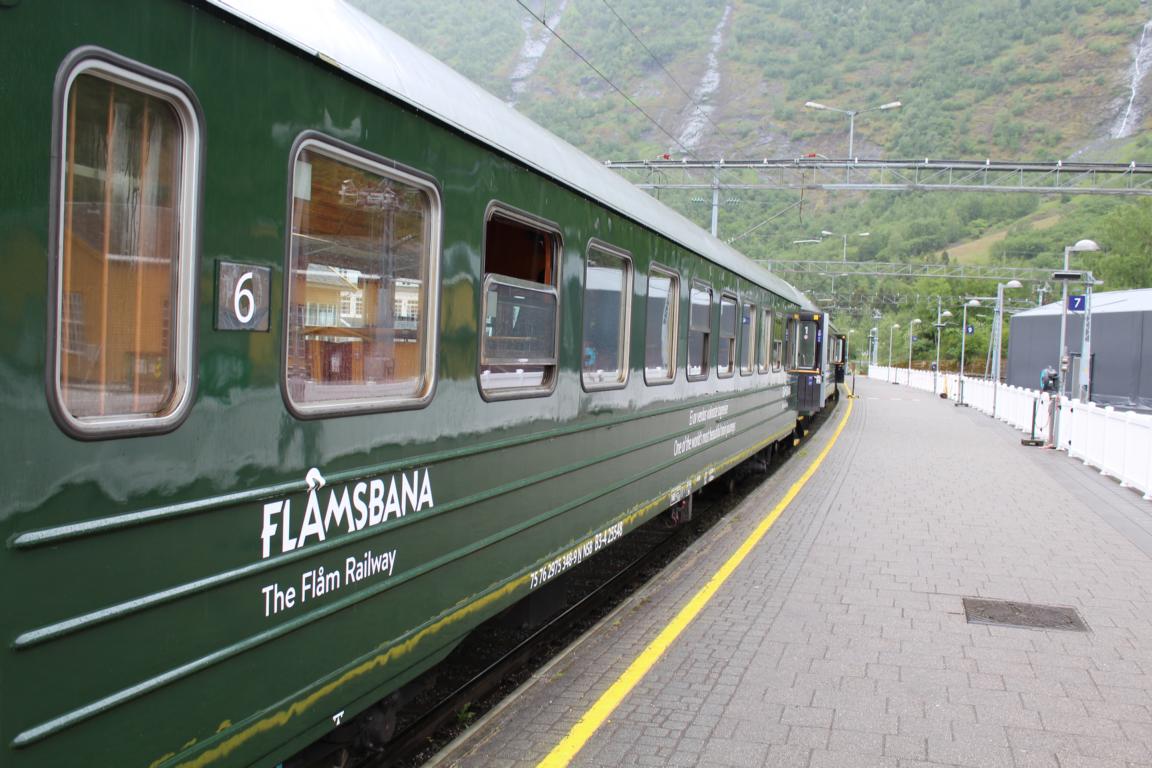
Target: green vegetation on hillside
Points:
(982, 78)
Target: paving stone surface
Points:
(842, 640)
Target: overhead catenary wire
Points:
(774, 216)
(543, 22)
(691, 100)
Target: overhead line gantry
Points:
(901, 269)
(816, 173)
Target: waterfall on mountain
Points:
(1128, 120)
(693, 130)
(536, 39)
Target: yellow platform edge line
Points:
(598, 714)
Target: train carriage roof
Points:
(359, 45)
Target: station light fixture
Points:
(1064, 277)
(852, 113)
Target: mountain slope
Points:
(997, 78)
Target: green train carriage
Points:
(322, 357)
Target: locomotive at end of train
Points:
(817, 361)
(319, 357)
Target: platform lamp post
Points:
(963, 339)
(1062, 362)
(873, 345)
(891, 332)
(1084, 388)
(844, 238)
(852, 118)
(939, 326)
(998, 330)
(911, 323)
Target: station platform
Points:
(840, 637)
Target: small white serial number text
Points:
(576, 555)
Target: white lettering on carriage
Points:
(352, 507)
(700, 415)
(323, 580)
(369, 564)
(703, 437)
(329, 512)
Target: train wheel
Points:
(378, 726)
(761, 463)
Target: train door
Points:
(839, 356)
(804, 356)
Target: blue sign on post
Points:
(1076, 303)
(970, 329)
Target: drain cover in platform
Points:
(1012, 614)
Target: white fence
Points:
(1118, 443)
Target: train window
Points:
(778, 330)
(699, 330)
(607, 290)
(726, 353)
(747, 338)
(363, 258)
(126, 251)
(803, 345)
(660, 330)
(764, 350)
(840, 354)
(518, 346)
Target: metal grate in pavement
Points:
(1013, 614)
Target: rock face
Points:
(700, 115)
(1129, 118)
(536, 40)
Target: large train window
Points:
(726, 353)
(803, 345)
(518, 345)
(764, 352)
(699, 330)
(778, 330)
(125, 270)
(747, 338)
(660, 330)
(363, 259)
(607, 309)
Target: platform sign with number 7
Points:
(1076, 303)
(241, 297)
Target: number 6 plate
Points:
(241, 297)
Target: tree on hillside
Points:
(1126, 237)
